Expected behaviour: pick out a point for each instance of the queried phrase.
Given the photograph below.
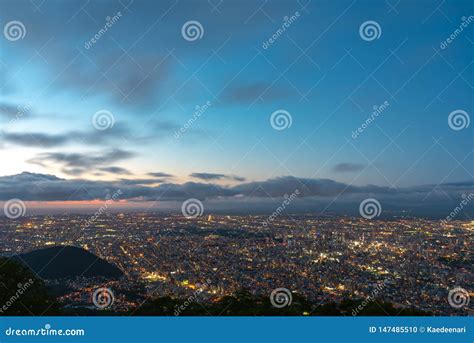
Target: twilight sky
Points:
(149, 108)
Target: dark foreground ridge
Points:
(243, 303)
(23, 294)
(67, 262)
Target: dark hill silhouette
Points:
(67, 261)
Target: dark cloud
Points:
(29, 177)
(38, 187)
(253, 195)
(207, 176)
(252, 92)
(73, 163)
(14, 110)
(36, 139)
(165, 125)
(140, 86)
(238, 178)
(160, 174)
(145, 80)
(165, 128)
(74, 171)
(307, 187)
(212, 176)
(348, 167)
(141, 181)
(48, 140)
(115, 170)
(141, 77)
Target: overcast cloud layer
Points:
(311, 192)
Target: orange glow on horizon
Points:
(82, 203)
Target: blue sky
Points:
(319, 70)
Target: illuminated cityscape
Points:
(326, 258)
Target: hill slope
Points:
(67, 261)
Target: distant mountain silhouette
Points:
(67, 261)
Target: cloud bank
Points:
(43, 187)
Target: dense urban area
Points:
(411, 262)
